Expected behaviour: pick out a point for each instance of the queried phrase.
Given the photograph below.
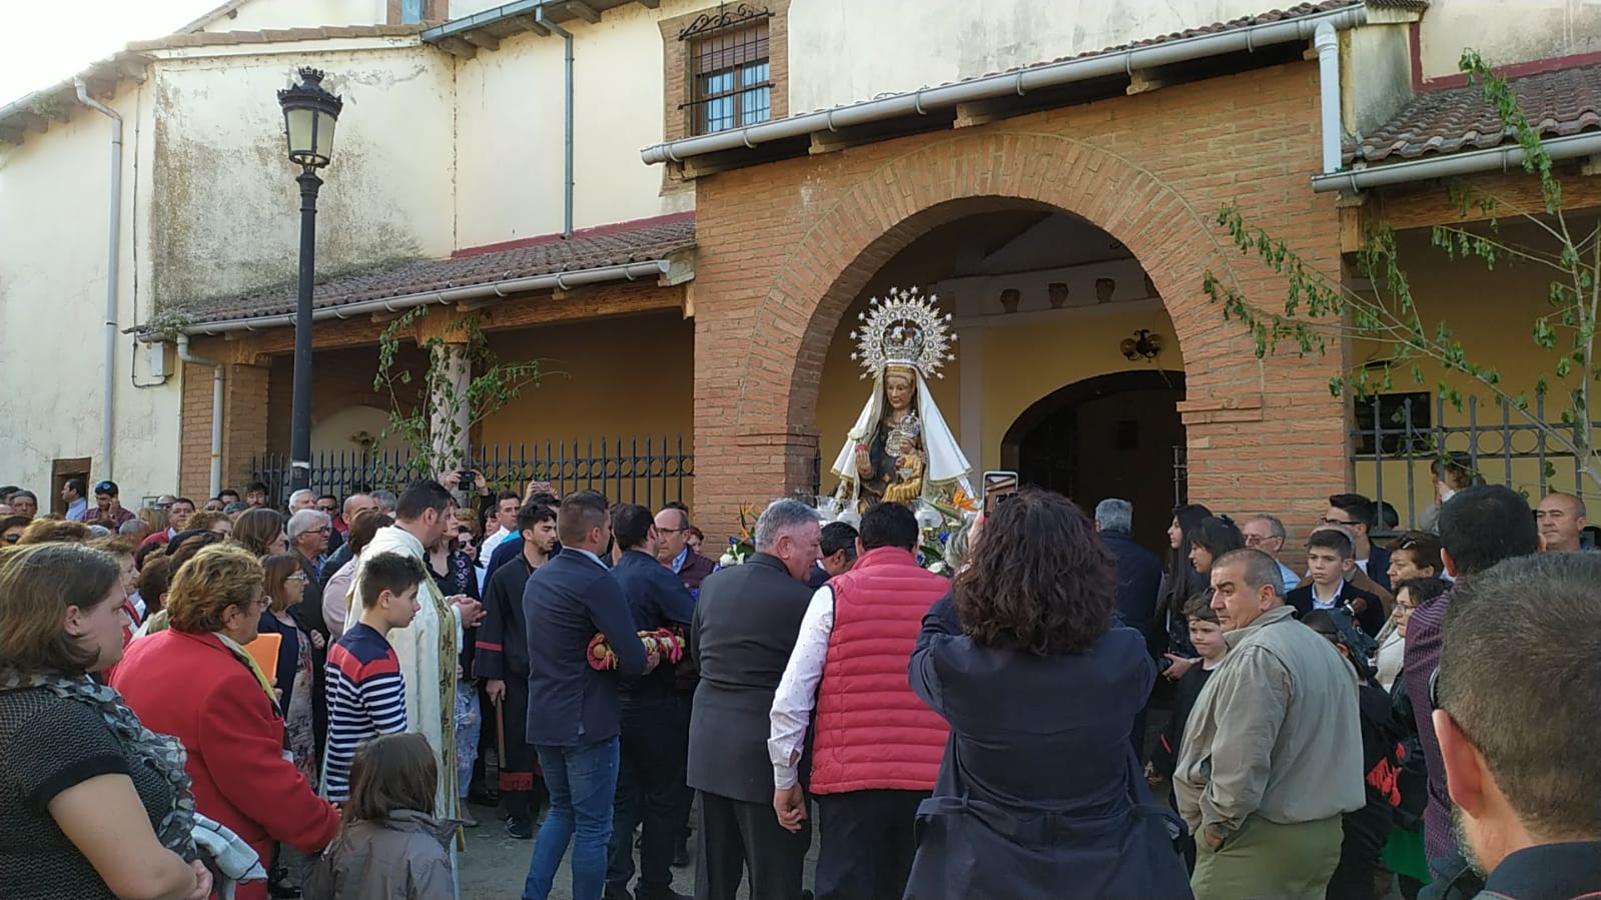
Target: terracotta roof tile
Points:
(596, 248)
(1556, 103)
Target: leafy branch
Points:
(1319, 308)
(438, 399)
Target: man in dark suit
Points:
(1358, 513)
(1328, 556)
(650, 775)
(746, 621)
(1139, 578)
(502, 661)
(1139, 572)
(573, 710)
(673, 550)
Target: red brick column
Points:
(786, 247)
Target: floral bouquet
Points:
(742, 545)
(666, 643)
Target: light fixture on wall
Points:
(1143, 345)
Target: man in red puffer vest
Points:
(877, 748)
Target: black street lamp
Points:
(309, 116)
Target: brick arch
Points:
(786, 246)
(945, 180)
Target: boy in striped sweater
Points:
(366, 692)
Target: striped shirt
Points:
(366, 698)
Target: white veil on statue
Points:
(904, 331)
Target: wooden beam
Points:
(132, 69)
(583, 11)
(1144, 81)
(455, 46)
(528, 23)
(482, 39)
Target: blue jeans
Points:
(582, 782)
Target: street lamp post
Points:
(310, 113)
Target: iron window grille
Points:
(730, 76)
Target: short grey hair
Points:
(1114, 514)
(387, 500)
(781, 516)
(1260, 568)
(1274, 526)
(306, 491)
(304, 521)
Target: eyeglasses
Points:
(1256, 540)
(325, 529)
(327, 509)
(1434, 688)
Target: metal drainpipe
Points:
(216, 408)
(1327, 42)
(113, 274)
(567, 187)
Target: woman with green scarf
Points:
(92, 803)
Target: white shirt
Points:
(1318, 602)
(797, 690)
(487, 548)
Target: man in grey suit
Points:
(746, 623)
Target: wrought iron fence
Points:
(1398, 446)
(651, 470)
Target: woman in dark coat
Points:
(1039, 794)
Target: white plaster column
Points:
(448, 411)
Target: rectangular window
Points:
(410, 11)
(730, 74)
(1402, 421)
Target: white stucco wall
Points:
(54, 201)
(1506, 32)
(510, 132)
(225, 214)
(842, 51)
(262, 14)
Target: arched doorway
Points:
(1109, 436)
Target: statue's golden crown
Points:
(904, 328)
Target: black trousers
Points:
(735, 835)
(517, 778)
(652, 754)
(867, 843)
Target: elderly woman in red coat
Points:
(195, 682)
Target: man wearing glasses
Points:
(672, 524)
(1266, 533)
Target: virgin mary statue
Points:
(900, 448)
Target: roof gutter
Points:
(557, 280)
(1121, 62)
(1492, 159)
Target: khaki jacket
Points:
(1275, 733)
(400, 858)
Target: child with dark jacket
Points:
(391, 846)
(1366, 830)
(1207, 636)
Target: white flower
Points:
(938, 568)
(728, 559)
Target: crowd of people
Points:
(230, 699)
